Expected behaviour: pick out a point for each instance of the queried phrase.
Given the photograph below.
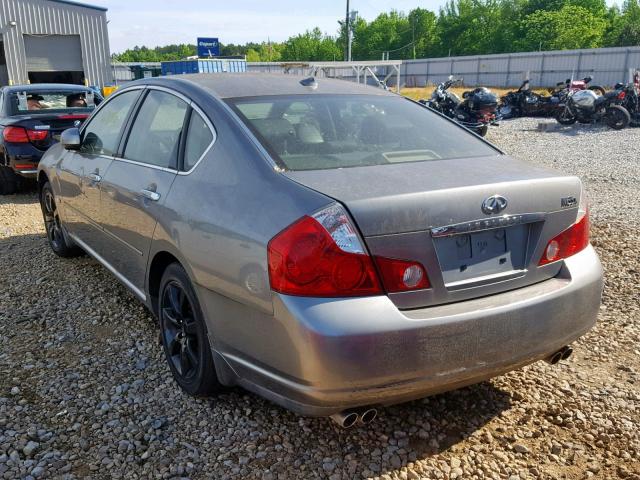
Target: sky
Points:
(162, 22)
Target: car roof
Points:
(44, 86)
(231, 85)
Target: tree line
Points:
(461, 27)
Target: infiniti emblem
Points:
(494, 204)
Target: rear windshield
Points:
(51, 101)
(313, 132)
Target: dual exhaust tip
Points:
(562, 354)
(349, 418)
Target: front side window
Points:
(312, 132)
(102, 135)
(199, 137)
(156, 131)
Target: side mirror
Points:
(70, 139)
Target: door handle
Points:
(154, 196)
(94, 177)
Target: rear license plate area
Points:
(490, 254)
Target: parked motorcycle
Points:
(629, 96)
(525, 103)
(585, 106)
(476, 110)
(574, 85)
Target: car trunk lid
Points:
(432, 212)
(54, 124)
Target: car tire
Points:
(56, 234)
(184, 335)
(9, 181)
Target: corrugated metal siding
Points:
(606, 65)
(44, 17)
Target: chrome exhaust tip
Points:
(566, 352)
(563, 354)
(346, 419)
(368, 415)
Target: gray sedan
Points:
(329, 246)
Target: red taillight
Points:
(15, 135)
(74, 116)
(621, 95)
(22, 135)
(401, 275)
(573, 240)
(321, 256)
(37, 135)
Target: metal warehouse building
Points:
(53, 41)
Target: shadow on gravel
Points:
(551, 126)
(25, 197)
(400, 435)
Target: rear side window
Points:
(199, 138)
(102, 135)
(312, 132)
(156, 131)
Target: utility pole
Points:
(353, 15)
(347, 31)
(413, 37)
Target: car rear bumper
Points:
(25, 163)
(325, 355)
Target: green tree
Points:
(387, 32)
(597, 7)
(625, 27)
(312, 45)
(157, 54)
(568, 28)
(253, 56)
(470, 27)
(424, 32)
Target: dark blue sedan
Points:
(32, 117)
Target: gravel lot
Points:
(85, 391)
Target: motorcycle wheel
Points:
(617, 117)
(597, 89)
(482, 131)
(565, 117)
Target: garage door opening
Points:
(54, 59)
(56, 77)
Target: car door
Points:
(136, 185)
(81, 171)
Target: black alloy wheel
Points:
(179, 331)
(184, 335)
(52, 219)
(56, 237)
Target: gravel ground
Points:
(85, 391)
